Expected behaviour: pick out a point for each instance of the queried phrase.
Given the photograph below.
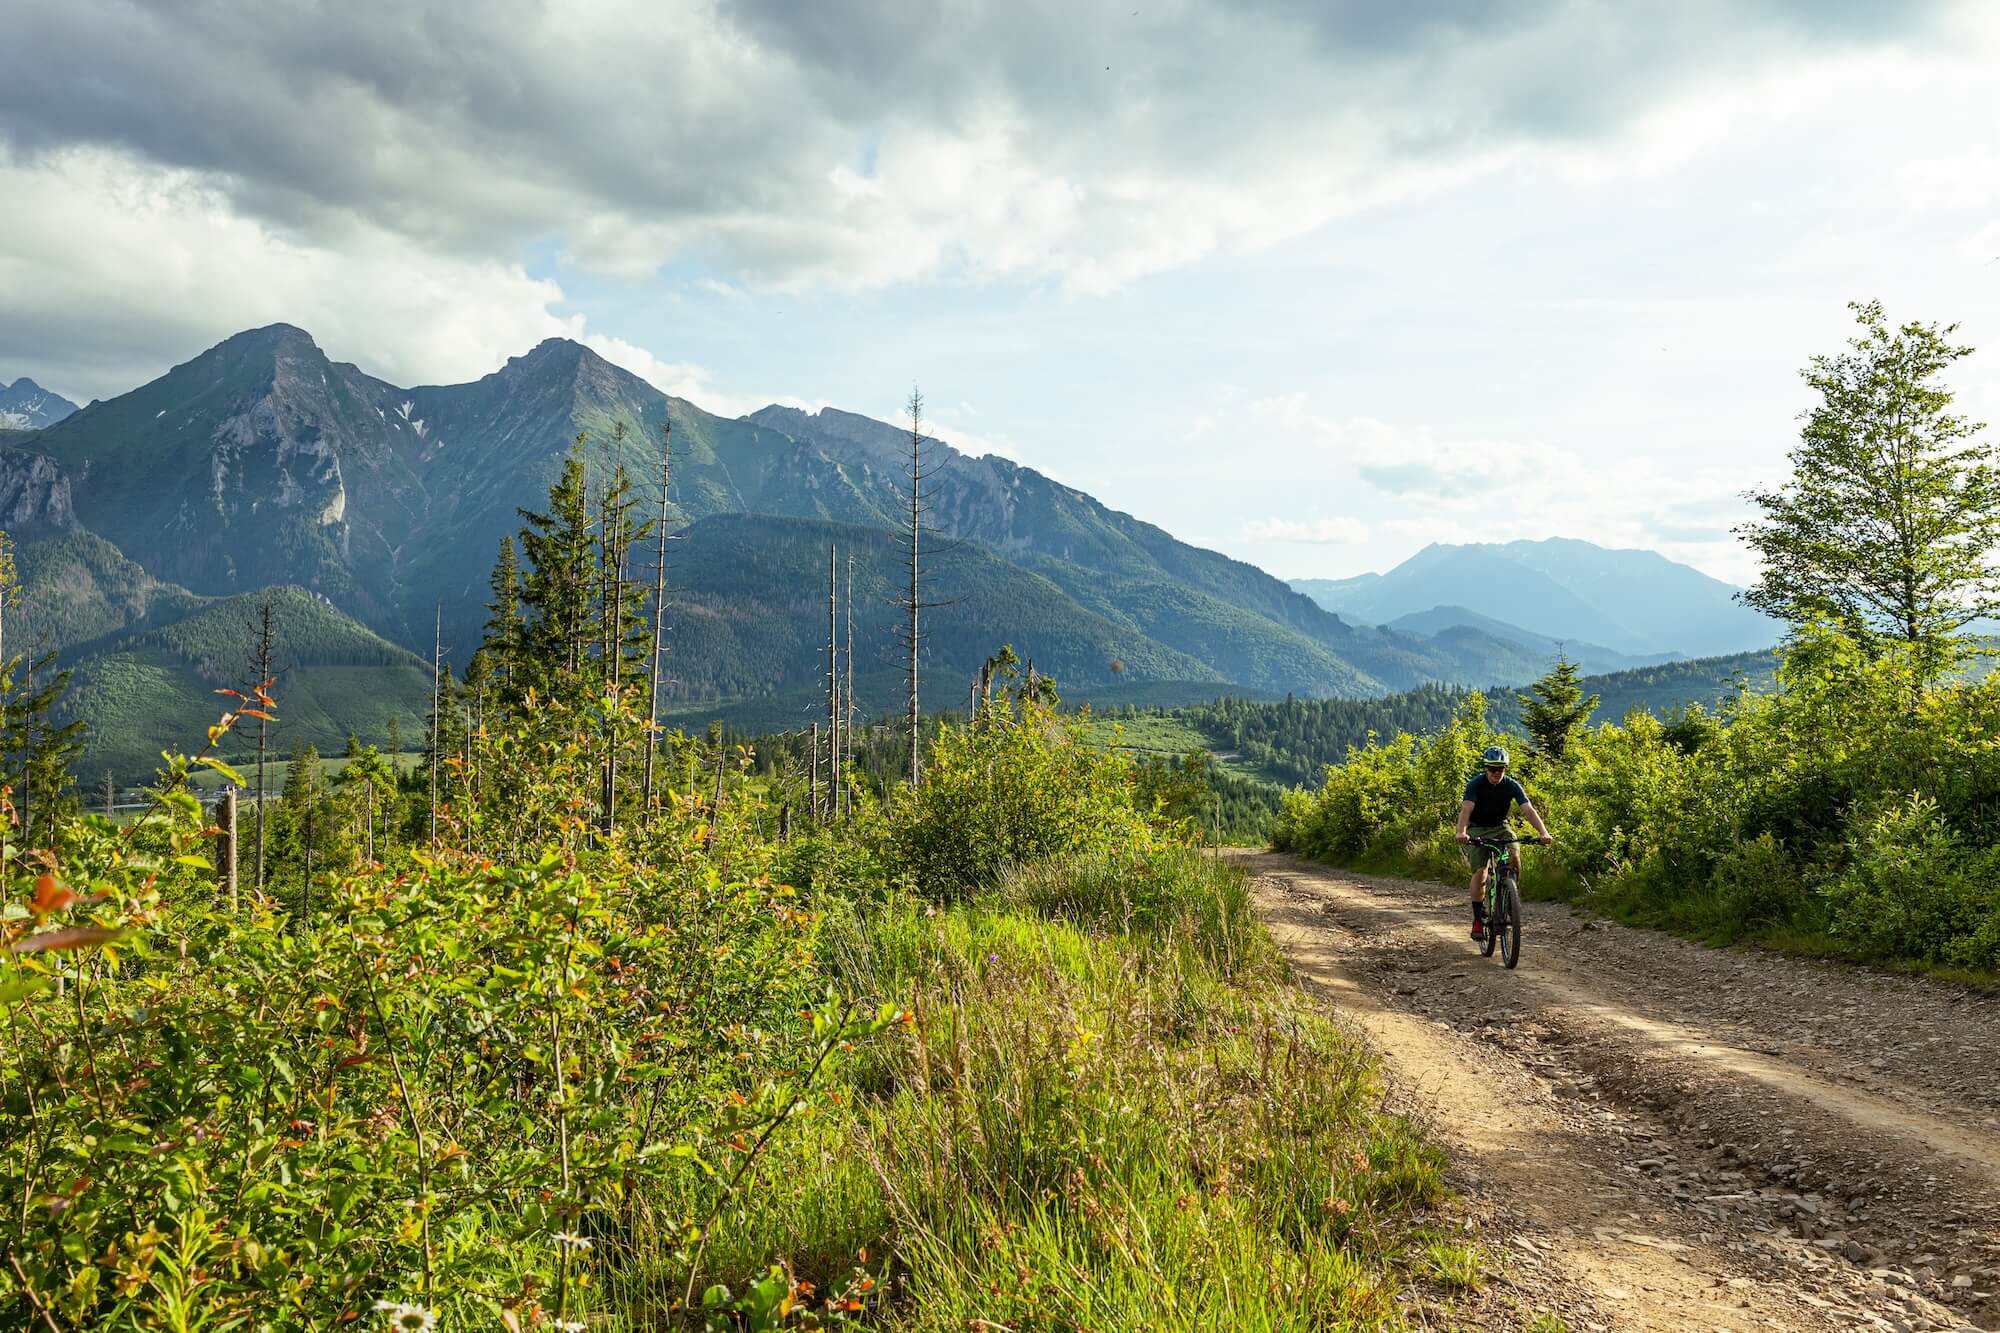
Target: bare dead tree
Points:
(659, 607)
(110, 795)
(916, 410)
(262, 650)
(833, 680)
(437, 714)
(847, 731)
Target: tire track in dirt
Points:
(1658, 1133)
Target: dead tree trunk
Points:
(847, 730)
(916, 537)
(226, 818)
(437, 716)
(659, 608)
(715, 805)
(260, 670)
(832, 680)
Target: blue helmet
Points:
(1495, 757)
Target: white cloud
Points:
(1307, 532)
(854, 145)
(113, 269)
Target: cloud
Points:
(854, 144)
(1310, 532)
(172, 269)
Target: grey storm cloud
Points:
(631, 132)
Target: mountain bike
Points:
(1503, 899)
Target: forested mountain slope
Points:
(263, 461)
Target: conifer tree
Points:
(556, 591)
(505, 632)
(37, 751)
(1555, 710)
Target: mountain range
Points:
(262, 463)
(1598, 602)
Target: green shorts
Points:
(1477, 857)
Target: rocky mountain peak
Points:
(26, 405)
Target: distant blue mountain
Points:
(1442, 621)
(1636, 603)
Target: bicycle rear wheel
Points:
(1510, 932)
(1492, 935)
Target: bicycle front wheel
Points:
(1510, 932)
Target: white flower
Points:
(572, 1240)
(570, 1326)
(408, 1318)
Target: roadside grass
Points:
(1111, 1111)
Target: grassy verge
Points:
(1110, 1112)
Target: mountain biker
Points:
(1489, 799)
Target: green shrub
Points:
(1848, 808)
(1913, 888)
(1020, 785)
(1757, 885)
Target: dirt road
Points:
(1662, 1136)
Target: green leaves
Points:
(1885, 531)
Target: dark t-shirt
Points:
(1492, 802)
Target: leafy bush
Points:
(1021, 784)
(1913, 888)
(1757, 885)
(1853, 805)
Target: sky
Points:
(1312, 282)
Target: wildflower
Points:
(408, 1318)
(569, 1326)
(571, 1239)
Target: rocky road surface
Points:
(1662, 1136)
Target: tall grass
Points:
(1111, 1112)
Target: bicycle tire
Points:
(1510, 937)
(1492, 935)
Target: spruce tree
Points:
(556, 592)
(505, 631)
(1555, 710)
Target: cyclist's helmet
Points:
(1495, 757)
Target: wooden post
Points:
(225, 815)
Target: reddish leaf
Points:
(51, 895)
(61, 941)
(234, 694)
